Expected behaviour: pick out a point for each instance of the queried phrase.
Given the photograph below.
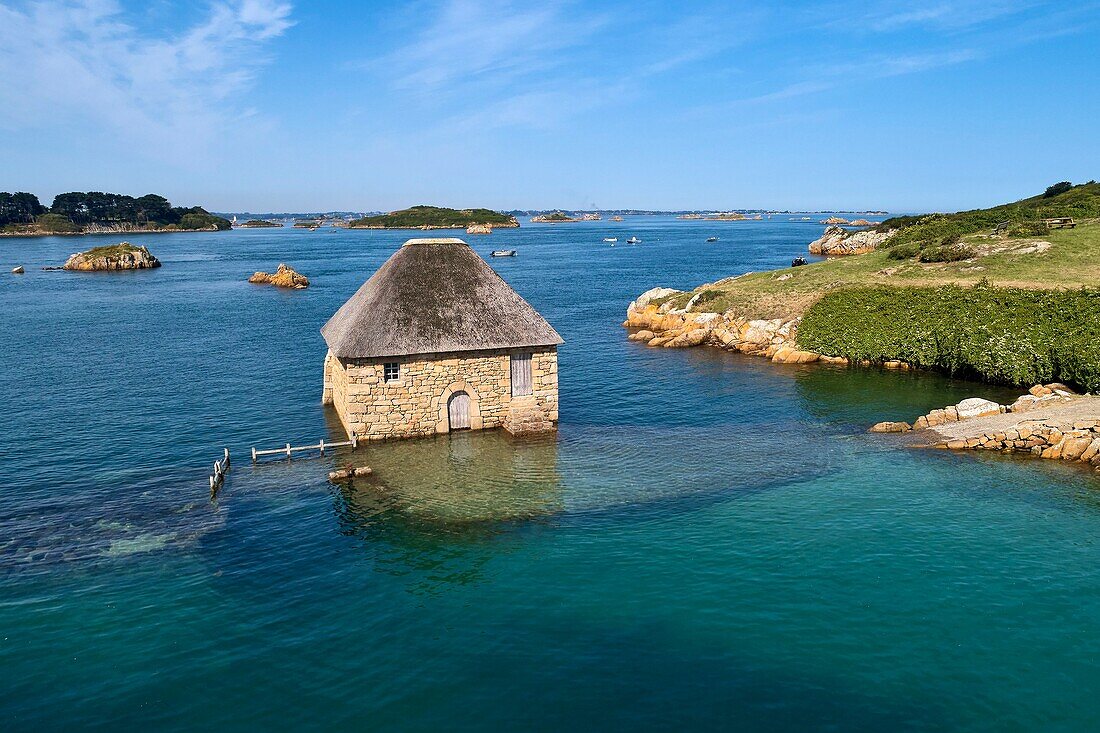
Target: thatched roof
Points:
(433, 296)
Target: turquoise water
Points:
(710, 542)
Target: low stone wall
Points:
(1063, 425)
(1078, 441)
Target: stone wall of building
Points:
(416, 403)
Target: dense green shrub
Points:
(57, 223)
(1028, 229)
(953, 252)
(904, 251)
(1080, 202)
(1056, 189)
(1005, 335)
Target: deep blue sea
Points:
(710, 542)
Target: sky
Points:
(276, 105)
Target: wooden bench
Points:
(1060, 222)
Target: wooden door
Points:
(521, 375)
(458, 411)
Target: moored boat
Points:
(503, 253)
(633, 240)
(611, 239)
(712, 239)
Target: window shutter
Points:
(521, 375)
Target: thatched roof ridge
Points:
(434, 296)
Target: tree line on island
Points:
(77, 212)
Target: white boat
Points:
(503, 253)
(611, 239)
(633, 240)
(712, 239)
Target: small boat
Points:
(633, 240)
(798, 262)
(611, 239)
(503, 253)
(712, 239)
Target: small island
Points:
(122, 256)
(435, 217)
(95, 212)
(283, 277)
(260, 224)
(560, 217)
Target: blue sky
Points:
(274, 105)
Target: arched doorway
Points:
(458, 411)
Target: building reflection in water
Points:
(439, 507)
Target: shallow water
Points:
(711, 541)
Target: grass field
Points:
(1072, 261)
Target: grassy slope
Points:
(1080, 202)
(434, 216)
(1073, 261)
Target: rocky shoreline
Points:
(655, 322)
(96, 229)
(1051, 421)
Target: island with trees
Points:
(435, 217)
(260, 224)
(96, 212)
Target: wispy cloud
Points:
(84, 62)
(484, 45)
(499, 63)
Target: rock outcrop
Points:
(891, 427)
(658, 323)
(124, 256)
(479, 229)
(839, 241)
(283, 277)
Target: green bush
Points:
(906, 251)
(1080, 202)
(1028, 229)
(947, 252)
(1004, 335)
(1056, 189)
(56, 223)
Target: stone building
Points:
(436, 341)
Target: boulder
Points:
(891, 427)
(643, 335)
(837, 240)
(977, 407)
(123, 256)
(283, 277)
(651, 294)
(343, 474)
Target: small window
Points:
(391, 371)
(521, 375)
